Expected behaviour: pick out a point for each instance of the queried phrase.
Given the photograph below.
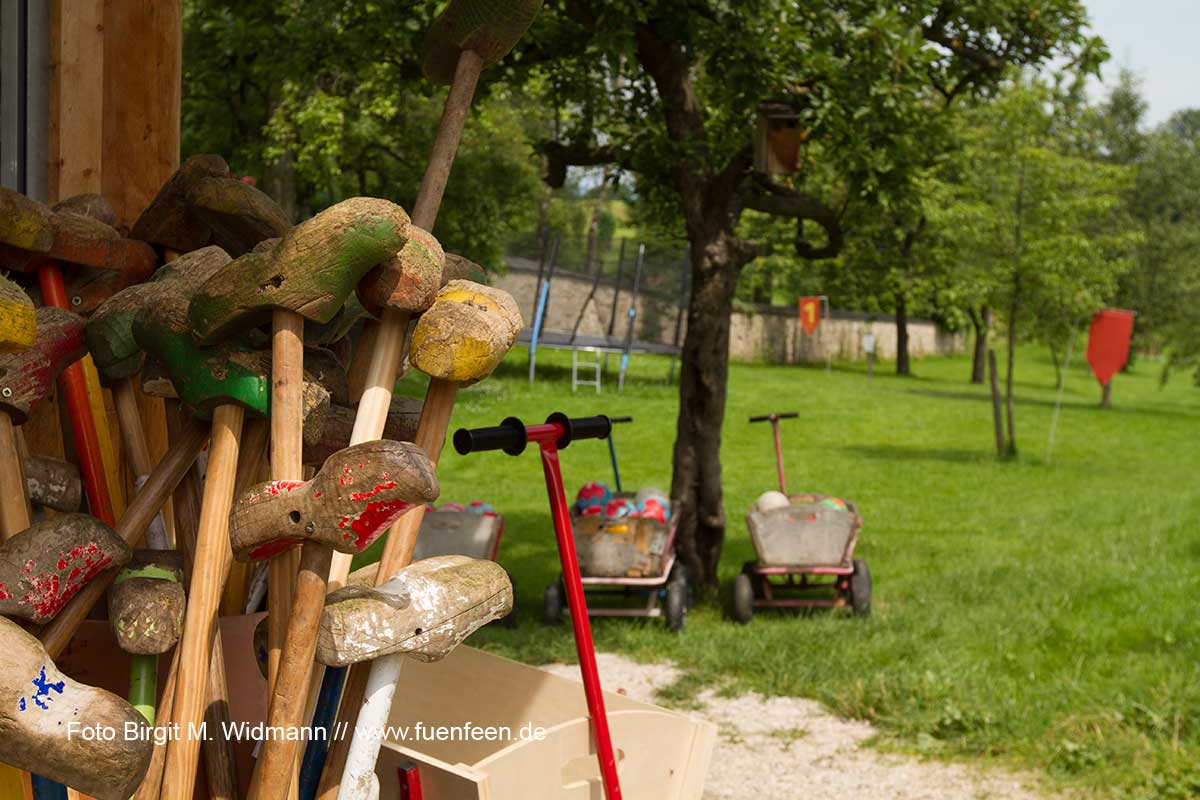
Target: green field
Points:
(1043, 616)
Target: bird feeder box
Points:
(777, 139)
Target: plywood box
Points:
(661, 754)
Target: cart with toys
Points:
(805, 547)
(625, 543)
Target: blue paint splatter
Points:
(43, 687)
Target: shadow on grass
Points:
(1085, 406)
(901, 453)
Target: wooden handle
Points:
(254, 446)
(277, 761)
(132, 433)
(132, 527)
(287, 464)
(219, 764)
(14, 510)
(424, 215)
(208, 576)
(445, 143)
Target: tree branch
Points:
(763, 194)
(560, 155)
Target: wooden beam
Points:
(142, 92)
(76, 97)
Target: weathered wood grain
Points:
(401, 426)
(18, 324)
(351, 500)
(460, 268)
(146, 602)
(24, 223)
(311, 271)
(408, 280)
(53, 483)
(48, 563)
(28, 378)
(425, 611)
(465, 333)
(110, 327)
(43, 713)
(491, 28)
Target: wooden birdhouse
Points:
(777, 139)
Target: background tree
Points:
(1043, 222)
(692, 74)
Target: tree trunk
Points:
(1106, 395)
(982, 322)
(902, 367)
(1011, 448)
(997, 417)
(696, 482)
(593, 235)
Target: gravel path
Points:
(786, 747)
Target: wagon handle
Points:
(771, 417)
(615, 420)
(774, 420)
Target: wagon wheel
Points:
(553, 601)
(675, 604)
(860, 589)
(743, 598)
(509, 620)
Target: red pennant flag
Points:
(810, 314)
(1108, 342)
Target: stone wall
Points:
(769, 333)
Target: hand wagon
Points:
(805, 550)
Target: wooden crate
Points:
(662, 755)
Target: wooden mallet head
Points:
(110, 327)
(43, 714)
(202, 204)
(338, 424)
(28, 378)
(45, 565)
(18, 324)
(465, 333)
(146, 602)
(310, 271)
(207, 377)
(34, 234)
(357, 494)
(424, 612)
(491, 28)
(407, 281)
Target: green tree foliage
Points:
(324, 99)
(1038, 227)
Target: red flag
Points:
(1108, 342)
(810, 314)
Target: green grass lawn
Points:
(1042, 615)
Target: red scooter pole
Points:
(774, 420)
(511, 436)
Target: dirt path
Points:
(786, 747)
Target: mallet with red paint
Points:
(556, 433)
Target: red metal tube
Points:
(547, 437)
(83, 427)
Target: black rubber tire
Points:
(509, 620)
(675, 601)
(743, 598)
(553, 602)
(860, 589)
